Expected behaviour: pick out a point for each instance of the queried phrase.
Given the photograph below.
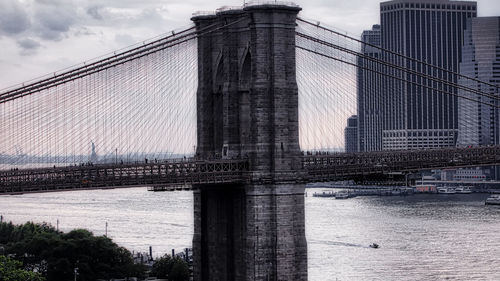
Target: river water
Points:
(421, 237)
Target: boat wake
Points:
(336, 243)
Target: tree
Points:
(173, 269)
(11, 270)
(55, 254)
(180, 270)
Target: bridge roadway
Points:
(181, 172)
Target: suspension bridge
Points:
(245, 106)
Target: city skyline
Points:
(37, 43)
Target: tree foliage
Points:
(11, 270)
(55, 254)
(173, 269)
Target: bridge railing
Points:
(268, 2)
(192, 171)
(323, 167)
(185, 172)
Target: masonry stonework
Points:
(247, 106)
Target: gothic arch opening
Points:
(219, 76)
(246, 72)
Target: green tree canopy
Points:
(173, 269)
(11, 270)
(55, 254)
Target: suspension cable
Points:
(396, 53)
(408, 70)
(395, 77)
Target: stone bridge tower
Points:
(247, 106)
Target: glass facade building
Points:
(478, 122)
(417, 113)
(351, 134)
(369, 92)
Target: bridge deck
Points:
(347, 165)
(180, 172)
(319, 167)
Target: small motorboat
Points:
(463, 190)
(446, 190)
(342, 195)
(374, 245)
(493, 200)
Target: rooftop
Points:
(246, 5)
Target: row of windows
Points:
(429, 139)
(391, 142)
(470, 177)
(469, 172)
(419, 134)
(428, 6)
(404, 146)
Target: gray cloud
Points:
(123, 16)
(13, 17)
(84, 31)
(61, 25)
(95, 12)
(28, 46)
(54, 19)
(28, 43)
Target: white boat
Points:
(395, 192)
(493, 200)
(342, 195)
(446, 190)
(463, 190)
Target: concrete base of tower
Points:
(249, 232)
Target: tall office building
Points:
(369, 92)
(431, 31)
(351, 134)
(478, 122)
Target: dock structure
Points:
(158, 188)
(368, 191)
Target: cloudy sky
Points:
(42, 36)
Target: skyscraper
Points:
(430, 31)
(351, 134)
(477, 122)
(369, 94)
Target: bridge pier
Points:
(250, 232)
(247, 107)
